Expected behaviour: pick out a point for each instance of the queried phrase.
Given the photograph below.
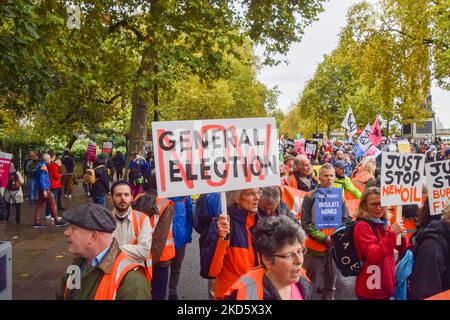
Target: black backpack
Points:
(344, 251)
(13, 182)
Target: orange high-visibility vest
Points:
(138, 219)
(110, 283)
(294, 199)
(169, 249)
(250, 285)
(445, 295)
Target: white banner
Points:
(349, 123)
(401, 178)
(364, 141)
(438, 180)
(203, 156)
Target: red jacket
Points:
(377, 278)
(55, 177)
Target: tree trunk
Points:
(71, 142)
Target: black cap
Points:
(91, 216)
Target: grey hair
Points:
(275, 232)
(298, 160)
(45, 156)
(232, 197)
(270, 194)
(326, 166)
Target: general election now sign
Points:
(401, 178)
(203, 156)
(438, 179)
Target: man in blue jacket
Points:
(45, 196)
(182, 235)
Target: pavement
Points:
(40, 258)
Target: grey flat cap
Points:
(91, 216)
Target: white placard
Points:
(203, 156)
(438, 180)
(401, 178)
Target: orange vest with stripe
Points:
(110, 283)
(138, 219)
(312, 244)
(250, 285)
(169, 249)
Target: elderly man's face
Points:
(33, 155)
(305, 167)
(248, 199)
(267, 207)
(79, 240)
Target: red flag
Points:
(375, 134)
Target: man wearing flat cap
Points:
(101, 270)
(344, 182)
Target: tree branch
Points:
(125, 24)
(110, 101)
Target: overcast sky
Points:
(321, 38)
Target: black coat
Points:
(431, 274)
(101, 186)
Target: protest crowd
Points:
(332, 214)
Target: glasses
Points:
(252, 194)
(290, 256)
(375, 205)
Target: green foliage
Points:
(384, 63)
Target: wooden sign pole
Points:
(398, 219)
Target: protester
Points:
(375, 242)
(302, 177)
(161, 212)
(100, 189)
(133, 229)
(343, 182)
(229, 251)
(13, 192)
(207, 207)
(431, 272)
(118, 163)
(105, 272)
(280, 242)
(55, 183)
(271, 204)
(68, 175)
(318, 263)
(182, 235)
(135, 173)
(45, 195)
(30, 169)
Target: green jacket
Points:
(134, 285)
(347, 185)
